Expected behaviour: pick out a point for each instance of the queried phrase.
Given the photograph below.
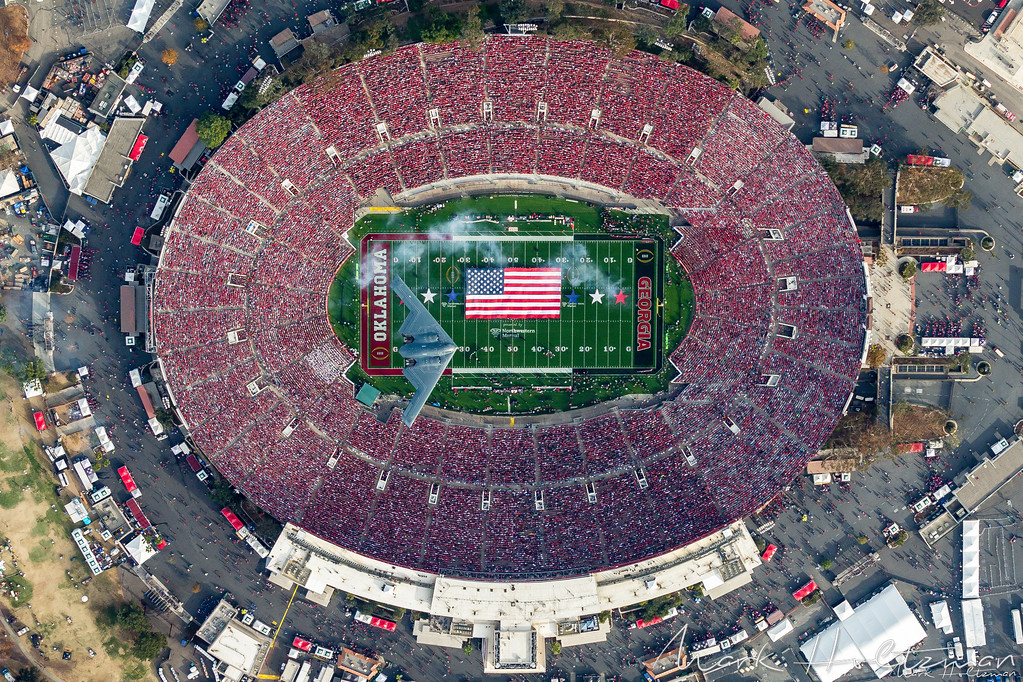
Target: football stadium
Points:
(275, 304)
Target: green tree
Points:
(223, 494)
(756, 52)
(676, 26)
(212, 129)
(200, 24)
(472, 28)
(908, 269)
(959, 199)
(702, 24)
(568, 30)
(261, 92)
(862, 539)
(34, 369)
(513, 11)
(555, 8)
(906, 344)
(441, 27)
(29, 675)
(826, 563)
(876, 355)
(555, 647)
(967, 253)
(618, 39)
(848, 44)
(929, 12)
(3, 313)
(149, 645)
(467, 647)
(133, 618)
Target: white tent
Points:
(974, 632)
(140, 15)
(878, 632)
(6, 127)
(9, 183)
(780, 629)
(942, 618)
(76, 159)
(971, 559)
(139, 549)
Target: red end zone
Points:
(375, 274)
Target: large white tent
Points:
(974, 632)
(971, 559)
(878, 632)
(76, 158)
(140, 15)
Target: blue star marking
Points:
(452, 296)
(573, 297)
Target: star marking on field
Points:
(428, 296)
(452, 296)
(573, 297)
(620, 297)
(597, 296)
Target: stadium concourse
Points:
(764, 373)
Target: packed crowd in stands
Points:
(261, 234)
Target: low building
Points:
(109, 96)
(239, 650)
(667, 664)
(724, 18)
(189, 148)
(284, 42)
(321, 21)
(841, 149)
(210, 10)
(964, 111)
(124, 145)
(356, 664)
(936, 68)
(828, 13)
(1001, 50)
(777, 111)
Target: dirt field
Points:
(14, 41)
(38, 544)
(913, 423)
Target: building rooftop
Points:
(113, 165)
(241, 651)
(987, 477)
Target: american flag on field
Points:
(495, 293)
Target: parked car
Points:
(909, 209)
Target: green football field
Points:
(608, 321)
(513, 378)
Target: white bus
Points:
(1017, 627)
(158, 209)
